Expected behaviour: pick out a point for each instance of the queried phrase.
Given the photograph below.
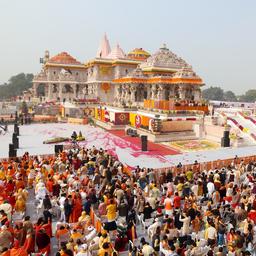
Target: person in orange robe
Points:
(6, 252)
(47, 226)
(39, 224)
(49, 185)
(20, 184)
(20, 205)
(10, 187)
(17, 250)
(77, 209)
(18, 232)
(29, 245)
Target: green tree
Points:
(230, 96)
(249, 96)
(16, 85)
(213, 93)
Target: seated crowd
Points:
(87, 203)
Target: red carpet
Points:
(155, 148)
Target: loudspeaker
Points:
(16, 143)
(14, 136)
(225, 142)
(11, 147)
(58, 149)
(13, 152)
(16, 129)
(226, 134)
(144, 142)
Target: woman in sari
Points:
(43, 242)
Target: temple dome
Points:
(138, 54)
(164, 58)
(64, 58)
(116, 53)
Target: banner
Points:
(121, 118)
(137, 121)
(105, 87)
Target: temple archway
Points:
(41, 90)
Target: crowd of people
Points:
(87, 203)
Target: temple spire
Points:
(104, 48)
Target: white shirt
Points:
(62, 201)
(210, 187)
(147, 250)
(212, 233)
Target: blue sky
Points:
(218, 38)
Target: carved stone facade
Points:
(116, 78)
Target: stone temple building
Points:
(114, 77)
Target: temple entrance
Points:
(41, 90)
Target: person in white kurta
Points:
(186, 223)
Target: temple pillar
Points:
(122, 95)
(74, 91)
(50, 90)
(60, 91)
(148, 92)
(133, 89)
(182, 92)
(197, 95)
(127, 96)
(160, 92)
(153, 92)
(35, 89)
